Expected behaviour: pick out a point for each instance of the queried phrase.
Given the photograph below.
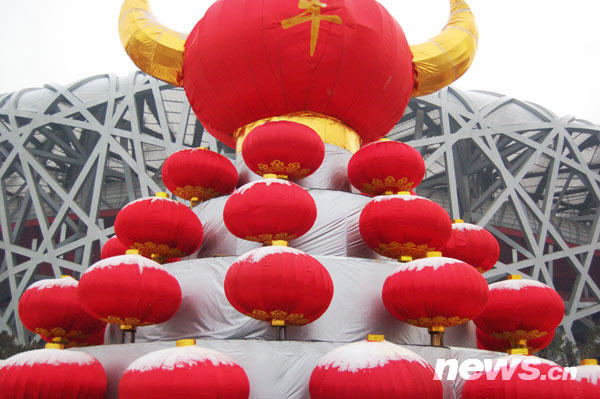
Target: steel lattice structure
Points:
(72, 156)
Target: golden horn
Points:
(446, 57)
(154, 48)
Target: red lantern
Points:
(184, 372)
(588, 379)
(473, 245)
(487, 342)
(286, 149)
(280, 285)
(113, 247)
(521, 378)
(159, 227)
(386, 167)
(52, 374)
(367, 370)
(404, 225)
(521, 310)
(93, 340)
(129, 290)
(269, 210)
(435, 293)
(52, 309)
(199, 174)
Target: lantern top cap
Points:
(132, 252)
(279, 243)
(375, 337)
(458, 221)
(434, 254)
(270, 176)
(384, 139)
(67, 276)
(201, 148)
(54, 345)
(185, 342)
(515, 277)
(589, 362)
(405, 258)
(404, 193)
(519, 351)
(162, 194)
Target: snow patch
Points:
(405, 197)
(420, 264)
(466, 227)
(54, 282)
(55, 357)
(589, 374)
(367, 355)
(267, 182)
(137, 260)
(516, 285)
(256, 255)
(186, 356)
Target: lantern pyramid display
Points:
(303, 91)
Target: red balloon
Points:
(283, 148)
(159, 226)
(113, 247)
(349, 60)
(386, 166)
(588, 381)
(522, 378)
(435, 292)
(52, 374)
(184, 372)
(279, 283)
(52, 309)
(473, 245)
(367, 370)
(487, 342)
(129, 290)
(521, 309)
(404, 225)
(268, 210)
(199, 173)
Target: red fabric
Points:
(487, 342)
(587, 389)
(283, 148)
(269, 209)
(494, 386)
(528, 309)
(386, 166)
(200, 381)
(206, 174)
(41, 380)
(159, 225)
(240, 66)
(113, 247)
(399, 225)
(121, 294)
(396, 379)
(290, 285)
(445, 296)
(93, 340)
(478, 248)
(55, 312)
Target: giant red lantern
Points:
(199, 174)
(473, 245)
(159, 228)
(521, 378)
(435, 293)
(487, 342)
(129, 290)
(588, 379)
(287, 149)
(187, 371)
(367, 370)
(52, 374)
(386, 167)
(281, 285)
(113, 247)
(404, 225)
(521, 310)
(269, 210)
(51, 308)
(345, 65)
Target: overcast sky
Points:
(547, 52)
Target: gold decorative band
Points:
(332, 130)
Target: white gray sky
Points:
(547, 52)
